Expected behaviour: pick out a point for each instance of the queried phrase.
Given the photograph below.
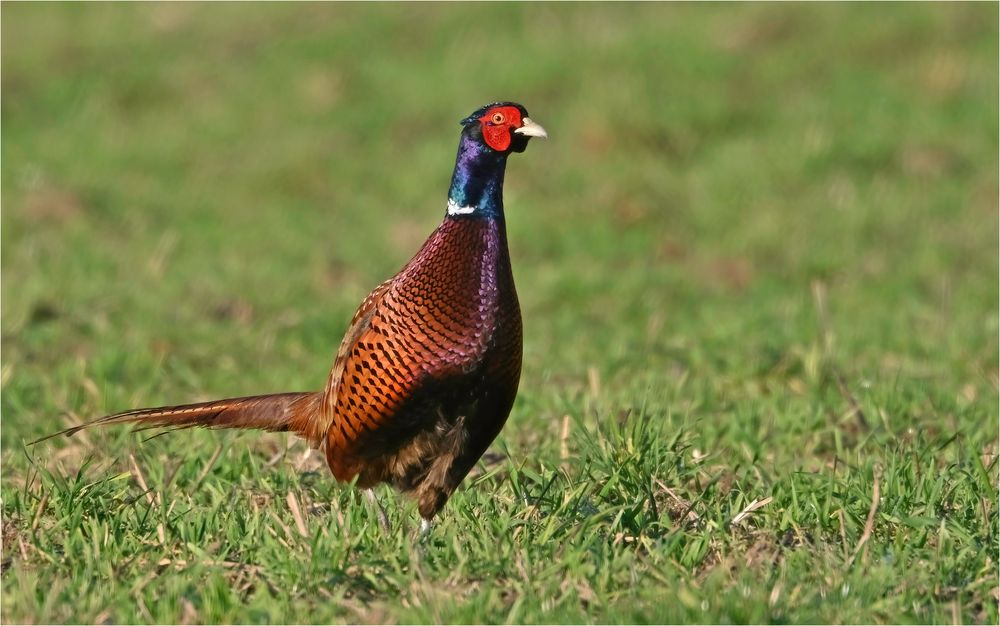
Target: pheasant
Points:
(428, 369)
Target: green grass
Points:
(757, 261)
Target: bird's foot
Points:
(425, 529)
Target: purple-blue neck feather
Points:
(478, 178)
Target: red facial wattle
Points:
(497, 125)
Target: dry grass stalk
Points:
(564, 439)
(208, 466)
(38, 512)
(160, 531)
(870, 522)
(300, 523)
(750, 508)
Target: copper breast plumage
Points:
(430, 344)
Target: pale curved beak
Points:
(530, 129)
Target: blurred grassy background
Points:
(753, 220)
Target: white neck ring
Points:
(455, 209)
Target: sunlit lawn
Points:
(757, 262)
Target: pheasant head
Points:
(489, 135)
(503, 127)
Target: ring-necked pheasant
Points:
(427, 371)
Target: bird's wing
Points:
(315, 425)
(391, 355)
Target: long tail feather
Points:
(275, 412)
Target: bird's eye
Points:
(498, 118)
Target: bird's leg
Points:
(425, 528)
(383, 519)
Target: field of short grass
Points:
(757, 262)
